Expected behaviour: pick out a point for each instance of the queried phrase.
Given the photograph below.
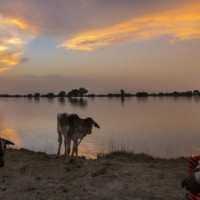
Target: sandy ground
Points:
(29, 175)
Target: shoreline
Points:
(36, 175)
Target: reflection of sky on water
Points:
(165, 127)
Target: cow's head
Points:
(89, 122)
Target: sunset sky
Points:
(102, 45)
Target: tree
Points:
(37, 95)
(50, 95)
(29, 95)
(82, 91)
(142, 94)
(73, 93)
(77, 92)
(62, 94)
(122, 93)
(196, 92)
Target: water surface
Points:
(164, 127)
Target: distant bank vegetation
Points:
(82, 92)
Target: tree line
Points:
(73, 93)
(82, 92)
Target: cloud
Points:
(181, 23)
(11, 58)
(63, 18)
(2, 69)
(21, 21)
(90, 24)
(13, 40)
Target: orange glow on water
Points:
(10, 134)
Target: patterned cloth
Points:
(193, 163)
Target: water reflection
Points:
(50, 99)
(142, 99)
(197, 99)
(62, 101)
(80, 102)
(29, 99)
(122, 100)
(37, 100)
(161, 126)
(10, 134)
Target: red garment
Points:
(193, 162)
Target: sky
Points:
(102, 45)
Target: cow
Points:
(73, 128)
(3, 143)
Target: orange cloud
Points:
(12, 42)
(11, 58)
(2, 69)
(19, 23)
(182, 23)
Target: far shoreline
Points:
(122, 94)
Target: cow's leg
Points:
(59, 144)
(75, 148)
(67, 149)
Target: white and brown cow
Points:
(3, 143)
(72, 127)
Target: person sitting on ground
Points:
(192, 181)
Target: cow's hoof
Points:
(67, 168)
(72, 160)
(2, 163)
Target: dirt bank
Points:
(30, 175)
